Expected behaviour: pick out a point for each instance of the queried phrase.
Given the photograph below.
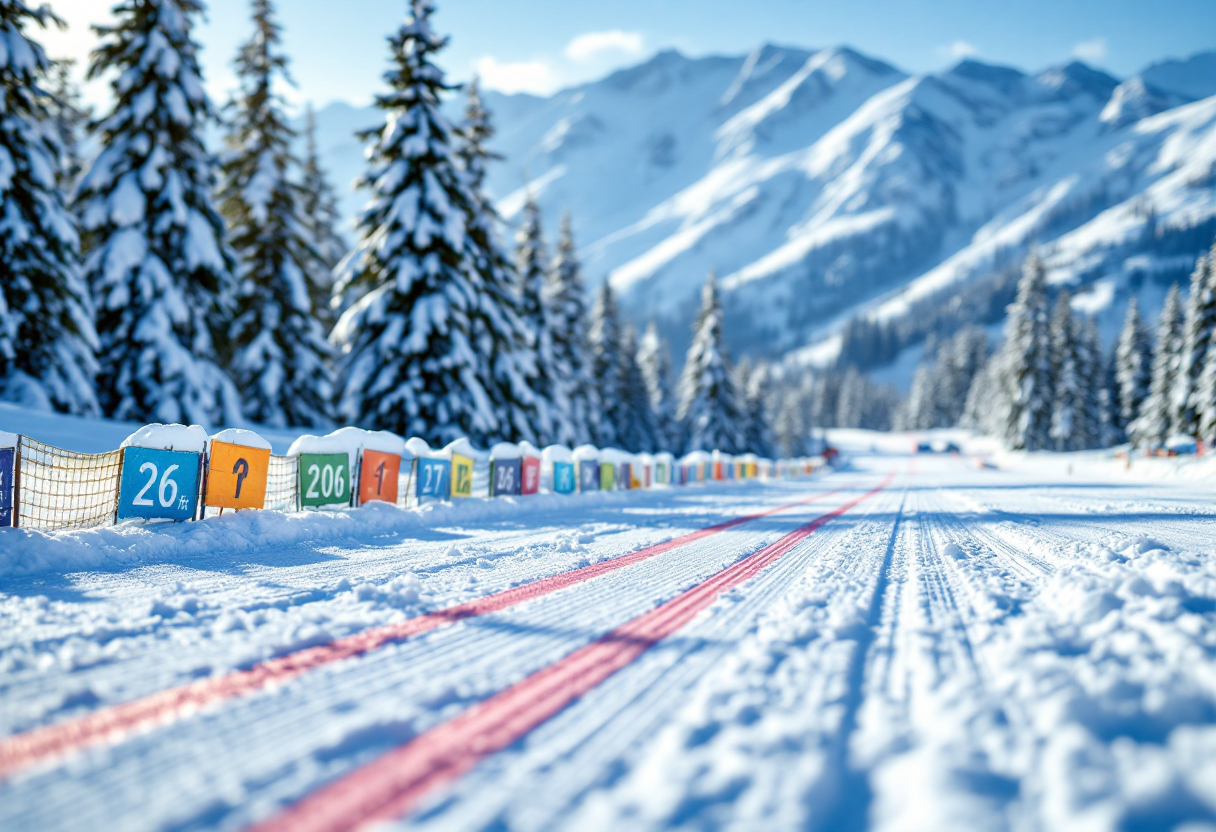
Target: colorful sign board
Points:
(588, 475)
(563, 478)
(236, 476)
(8, 495)
(505, 477)
(378, 476)
(607, 476)
(661, 475)
(434, 479)
(462, 476)
(624, 479)
(157, 485)
(530, 484)
(324, 480)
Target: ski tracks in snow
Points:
(965, 650)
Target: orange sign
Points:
(378, 480)
(236, 476)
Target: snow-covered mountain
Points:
(825, 184)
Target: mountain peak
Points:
(1076, 77)
(1004, 78)
(1193, 77)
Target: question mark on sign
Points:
(241, 469)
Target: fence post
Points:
(17, 483)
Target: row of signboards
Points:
(174, 485)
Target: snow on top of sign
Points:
(240, 436)
(557, 453)
(342, 441)
(192, 438)
(383, 441)
(418, 448)
(584, 453)
(8, 440)
(464, 447)
(694, 457)
(527, 449)
(615, 456)
(645, 459)
(663, 456)
(505, 450)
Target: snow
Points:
(1031, 640)
(241, 436)
(170, 438)
(506, 450)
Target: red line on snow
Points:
(111, 724)
(392, 785)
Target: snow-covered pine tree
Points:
(322, 220)
(414, 350)
(1026, 364)
(1133, 365)
(965, 355)
(1196, 337)
(708, 408)
(637, 421)
(71, 118)
(753, 387)
(46, 316)
(605, 344)
(1069, 393)
(1204, 398)
(1152, 427)
(532, 271)
(280, 358)
(565, 298)
(502, 334)
(654, 360)
(157, 261)
(1091, 427)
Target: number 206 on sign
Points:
(158, 485)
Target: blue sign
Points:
(434, 479)
(588, 475)
(624, 476)
(158, 485)
(563, 478)
(505, 478)
(8, 460)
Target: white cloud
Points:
(593, 45)
(1090, 50)
(536, 77)
(958, 50)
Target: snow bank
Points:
(174, 437)
(25, 551)
(586, 453)
(506, 450)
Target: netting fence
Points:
(61, 489)
(283, 483)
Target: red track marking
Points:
(392, 785)
(111, 724)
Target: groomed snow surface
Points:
(969, 648)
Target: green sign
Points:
(607, 476)
(324, 479)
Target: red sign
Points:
(378, 480)
(531, 475)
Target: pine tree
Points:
(417, 346)
(654, 360)
(1133, 366)
(1196, 337)
(1152, 428)
(156, 257)
(280, 355)
(502, 334)
(532, 270)
(1026, 364)
(707, 396)
(319, 208)
(637, 422)
(1069, 395)
(1091, 428)
(565, 298)
(70, 117)
(605, 337)
(753, 387)
(47, 338)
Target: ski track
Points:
(969, 649)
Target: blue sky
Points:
(338, 48)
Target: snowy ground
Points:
(968, 648)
